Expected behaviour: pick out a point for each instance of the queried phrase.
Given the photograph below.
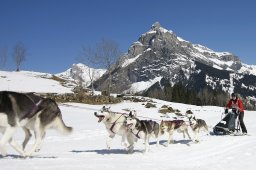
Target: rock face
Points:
(160, 55)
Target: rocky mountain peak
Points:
(159, 54)
(156, 26)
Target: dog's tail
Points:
(62, 127)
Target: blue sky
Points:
(54, 31)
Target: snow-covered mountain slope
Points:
(160, 54)
(82, 74)
(26, 81)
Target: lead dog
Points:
(115, 125)
(17, 110)
(143, 129)
(170, 126)
(196, 124)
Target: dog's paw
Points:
(130, 149)
(3, 151)
(37, 150)
(197, 141)
(125, 144)
(26, 155)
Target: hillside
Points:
(27, 81)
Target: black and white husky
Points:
(21, 110)
(196, 124)
(115, 125)
(143, 129)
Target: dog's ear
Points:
(103, 109)
(134, 114)
(130, 114)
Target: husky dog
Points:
(19, 110)
(114, 123)
(170, 126)
(196, 124)
(36, 99)
(143, 129)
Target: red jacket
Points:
(235, 104)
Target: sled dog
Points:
(36, 99)
(18, 110)
(196, 124)
(115, 125)
(170, 126)
(143, 129)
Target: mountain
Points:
(79, 73)
(160, 58)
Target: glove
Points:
(226, 111)
(234, 110)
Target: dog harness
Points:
(137, 134)
(151, 123)
(33, 110)
(114, 123)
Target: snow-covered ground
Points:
(27, 81)
(85, 148)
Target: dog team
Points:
(33, 113)
(131, 128)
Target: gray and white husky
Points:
(115, 125)
(18, 110)
(169, 126)
(143, 129)
(196, 124)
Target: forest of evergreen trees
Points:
(181, 94)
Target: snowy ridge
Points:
(26, 81)
(142, 86)
(129, 61)
(203, 49)
(80, 73)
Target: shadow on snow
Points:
(105, 151)
(31, 157)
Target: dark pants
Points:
(241, 119)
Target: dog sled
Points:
(229, 124)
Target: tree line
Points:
(179, 93)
